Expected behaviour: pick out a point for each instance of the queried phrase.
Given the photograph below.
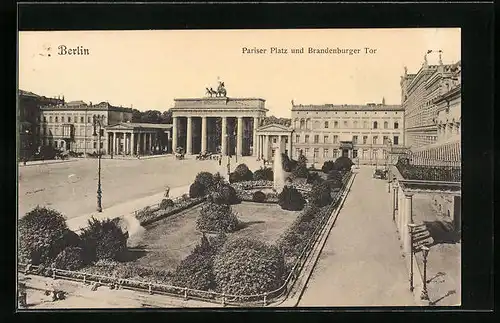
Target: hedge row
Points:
(151, 214)
(250, 196)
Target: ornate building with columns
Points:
(363, 133)
(217, 124)
(274, 138)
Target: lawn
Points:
(168, 241)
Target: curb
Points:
(309, 266)
(34, 163)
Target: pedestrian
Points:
(167, 192)
(220, 160)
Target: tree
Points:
(104, 239)
(328, 166)
(263, 174)
(43, 233)
(321, 194)
(241, 173)
(217, 218)
(206, 179)
(197, 190)
(343, 163)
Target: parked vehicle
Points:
(380, 174)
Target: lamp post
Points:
(228, 157)
(389, 144)
(235, 144)
(425, 294)
(411, 226)
(97, 122)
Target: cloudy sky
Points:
(148, 69)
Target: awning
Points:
(346, 144)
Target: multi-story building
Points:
(418, 94)
(362, 132)
(69, 126)
(29, 120)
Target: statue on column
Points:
(221, 90)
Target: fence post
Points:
(185, 293)
(150, 290)
(223, 299)
(265, 299)
(84, 278)
(53, 273)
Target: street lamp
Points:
(389, 144)
(411, 226)
(228, 157)
(425, 294)
(97, 122)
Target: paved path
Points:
(361, 263)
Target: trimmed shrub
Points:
(71, 258)
(321, 194)
(166, 203)
(313, 178)
(291, 199)
(43, 234)
(241, 173)
(301, 171)
(287, 163)
(206, 179)
(328, 166)
(343, 164)
(259, 197)
(226, 195)
(245, 267)
(104, 240)
(217, 218)
(197, 190)
(263, 174)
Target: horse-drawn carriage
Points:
(380, 173)
(179, 153)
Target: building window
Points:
(334, 153)
(102, 145)
(297, 138)
(396, 140)
(375, 140)
(297, 151)
(325, 153)
(355, 153)
(44, 119)
(62, 119)
(354, 139)
(315, 152)
(81, 119)
(355, 124)
(301, 124)
(325, 139)
(306, 139)
(335, 124)
(375, 125)
(335, 139)
(57, 119)
(365, 140)
(346, 125)
(386, 124)
(89, 120)
(375, 153)
(69, 119)
(326, 124)
(396, 125)
(273, 152)
(365, 124)
(274, 140)
(286, 140)
(385, 138)
(316, 139)
(306, 152)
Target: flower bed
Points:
(152, 214)
(248, 196)
(248, 185)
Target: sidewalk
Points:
(125, 208)
(361, 263)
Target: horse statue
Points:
(221, 90)
(211, 92)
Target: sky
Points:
(146, 70)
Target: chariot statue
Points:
(220, 92)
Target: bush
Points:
(206, 179)
(291, 199)
(166, 203)
(300, 171)
(263, 174)
(343, 164)
(217, 218)
(71, 258)
(247, 267)
(328, 166)
(321, 194)
(241, 173)
(104, 240)
(259, 197)
(43, 234)
(313, 178)
(334, 179)
(197, 190)
(226, 195)
(287, 163)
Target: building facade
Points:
(363, 133)
(217, 124)
(69, 126)
(29, 120)
(272, 139)
(418, 94)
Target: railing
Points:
(262, 299)
(410, 170)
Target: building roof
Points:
(27, 93)
(132, 125)
(274, 127)
(347, 107)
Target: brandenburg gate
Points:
(217, 124)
